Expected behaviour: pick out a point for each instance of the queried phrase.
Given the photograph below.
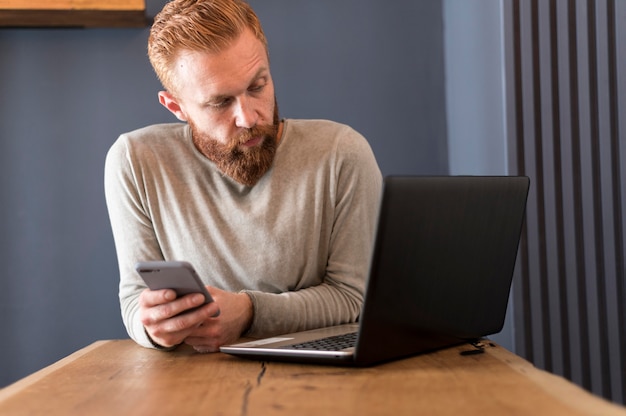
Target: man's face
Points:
(228, 100)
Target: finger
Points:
(192, 319)
(164, 311)
(201, 344)
(205, 319)
(149, 298)
(174, 330)
(213, 310)
(203, 349)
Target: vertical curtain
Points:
(566, 109)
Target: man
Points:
(277, 216)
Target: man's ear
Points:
(170, 102)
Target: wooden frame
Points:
(73, 13)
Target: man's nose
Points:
(246, 116)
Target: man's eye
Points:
(222, 103)
(256, 88)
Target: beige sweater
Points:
(298, 242)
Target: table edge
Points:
(558, 387)
(22, 384)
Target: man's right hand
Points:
(160, 313)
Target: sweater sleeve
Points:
(338, 299)
(132, 232)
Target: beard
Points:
(245, 165)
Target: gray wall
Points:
(67, 94)
(475, 99)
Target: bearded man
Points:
(277, 216)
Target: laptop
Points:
(440, 273)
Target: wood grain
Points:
(73, 13)
(73, 4)
(119, 377)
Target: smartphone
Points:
(177, 275)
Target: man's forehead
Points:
(203, 78)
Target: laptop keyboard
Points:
(334, 343)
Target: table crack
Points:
(250, 387)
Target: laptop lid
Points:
(440, 272)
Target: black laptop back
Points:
(440, 272)
(442, 264)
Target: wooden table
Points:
(120, 378)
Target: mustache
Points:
(256, 131)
